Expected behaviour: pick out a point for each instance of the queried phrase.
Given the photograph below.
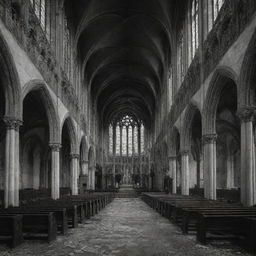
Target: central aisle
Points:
(126, 227)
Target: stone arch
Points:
(83, 149)
(186, 133)
(91, 157)
(173, 137)
(72, 133)
(220, 78)
(10, 81)
(247, 78)
(53, 118)
(31, 162)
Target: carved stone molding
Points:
(12, 123)
(209, 138)
(74, 156)
(184, 152)
(246, 114)
(55, 146)
(84, 162)
(172, 158)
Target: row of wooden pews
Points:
(45, 218)
(210, 219)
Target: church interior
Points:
(127, 127)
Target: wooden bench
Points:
(11, 229)
(71, 209)
(36, 225)
(59, 213)
(221, 223)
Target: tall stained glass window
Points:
(110, 139)
(117, 140)
(194, 26)
(42, 11)
(129, 126)
(130, 140)
(142, 138)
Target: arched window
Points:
(170, 89)
(194, 27)
(129, 127)
(124, 141)
(67, 48)
(142, 138)
(180, 60)
(42, 9)
(130, 140)
(117, 140)
(136, 150)
(110, 139)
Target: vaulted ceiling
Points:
(124, 46)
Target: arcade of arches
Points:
(154, 93)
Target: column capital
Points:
(209, 138)
(184, 152)
(55, 146)
(12, 123)
(246, 114)
(74, 156)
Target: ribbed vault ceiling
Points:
(124, 47)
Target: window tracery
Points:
(127, 136)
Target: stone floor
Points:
(126, 227)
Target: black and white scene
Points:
(127, 127)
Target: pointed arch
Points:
(83, 149)
(39, 87)
(72, 133)
(9, 79)
(247, 78)
(174, 141)
(186, 130)
(221, 77)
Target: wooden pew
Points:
(34, 225)
(11, 229)
(59, 213)
(191, 215)
(71, 209)
(222, 223)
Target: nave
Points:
(126, 227)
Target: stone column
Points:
(185, 172)
(55, 170)
(74, 173)
(93, 178)
(84, 174)
(121, 140)
(209, 163)
(173, 172)
(247, 157)
(12, 163)
(89, 178)
(84, 167)
(230, 171)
